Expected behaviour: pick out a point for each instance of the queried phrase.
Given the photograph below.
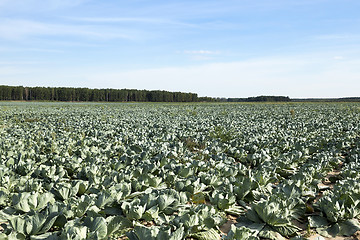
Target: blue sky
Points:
(218, 48)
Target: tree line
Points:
(92, 95)
(259, 99)
(14, 93)
(344, 99)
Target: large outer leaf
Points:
(74, 231)
(241, 233)
(271, 213)
(178, 234)
(267, 232)
(210, 234)
(27, 201)
(317, 221)
(117, 223)
(33, 225)
(63, 191)
(97, 227)
(345, 228)
(141, 232)
(165, 200)
(104, 198)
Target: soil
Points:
(319, 237)
(357, 235)
(227, 226)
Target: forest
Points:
(92, 95)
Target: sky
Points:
(217, 48)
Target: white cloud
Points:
(338, 58)
(308, 75)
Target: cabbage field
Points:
(179, 171)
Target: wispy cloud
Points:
(117, 20)
(201, 52)
(201, 55)
(334, 36)
(18, 63)
(134, 20)
(37, 5)
(20, 28)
